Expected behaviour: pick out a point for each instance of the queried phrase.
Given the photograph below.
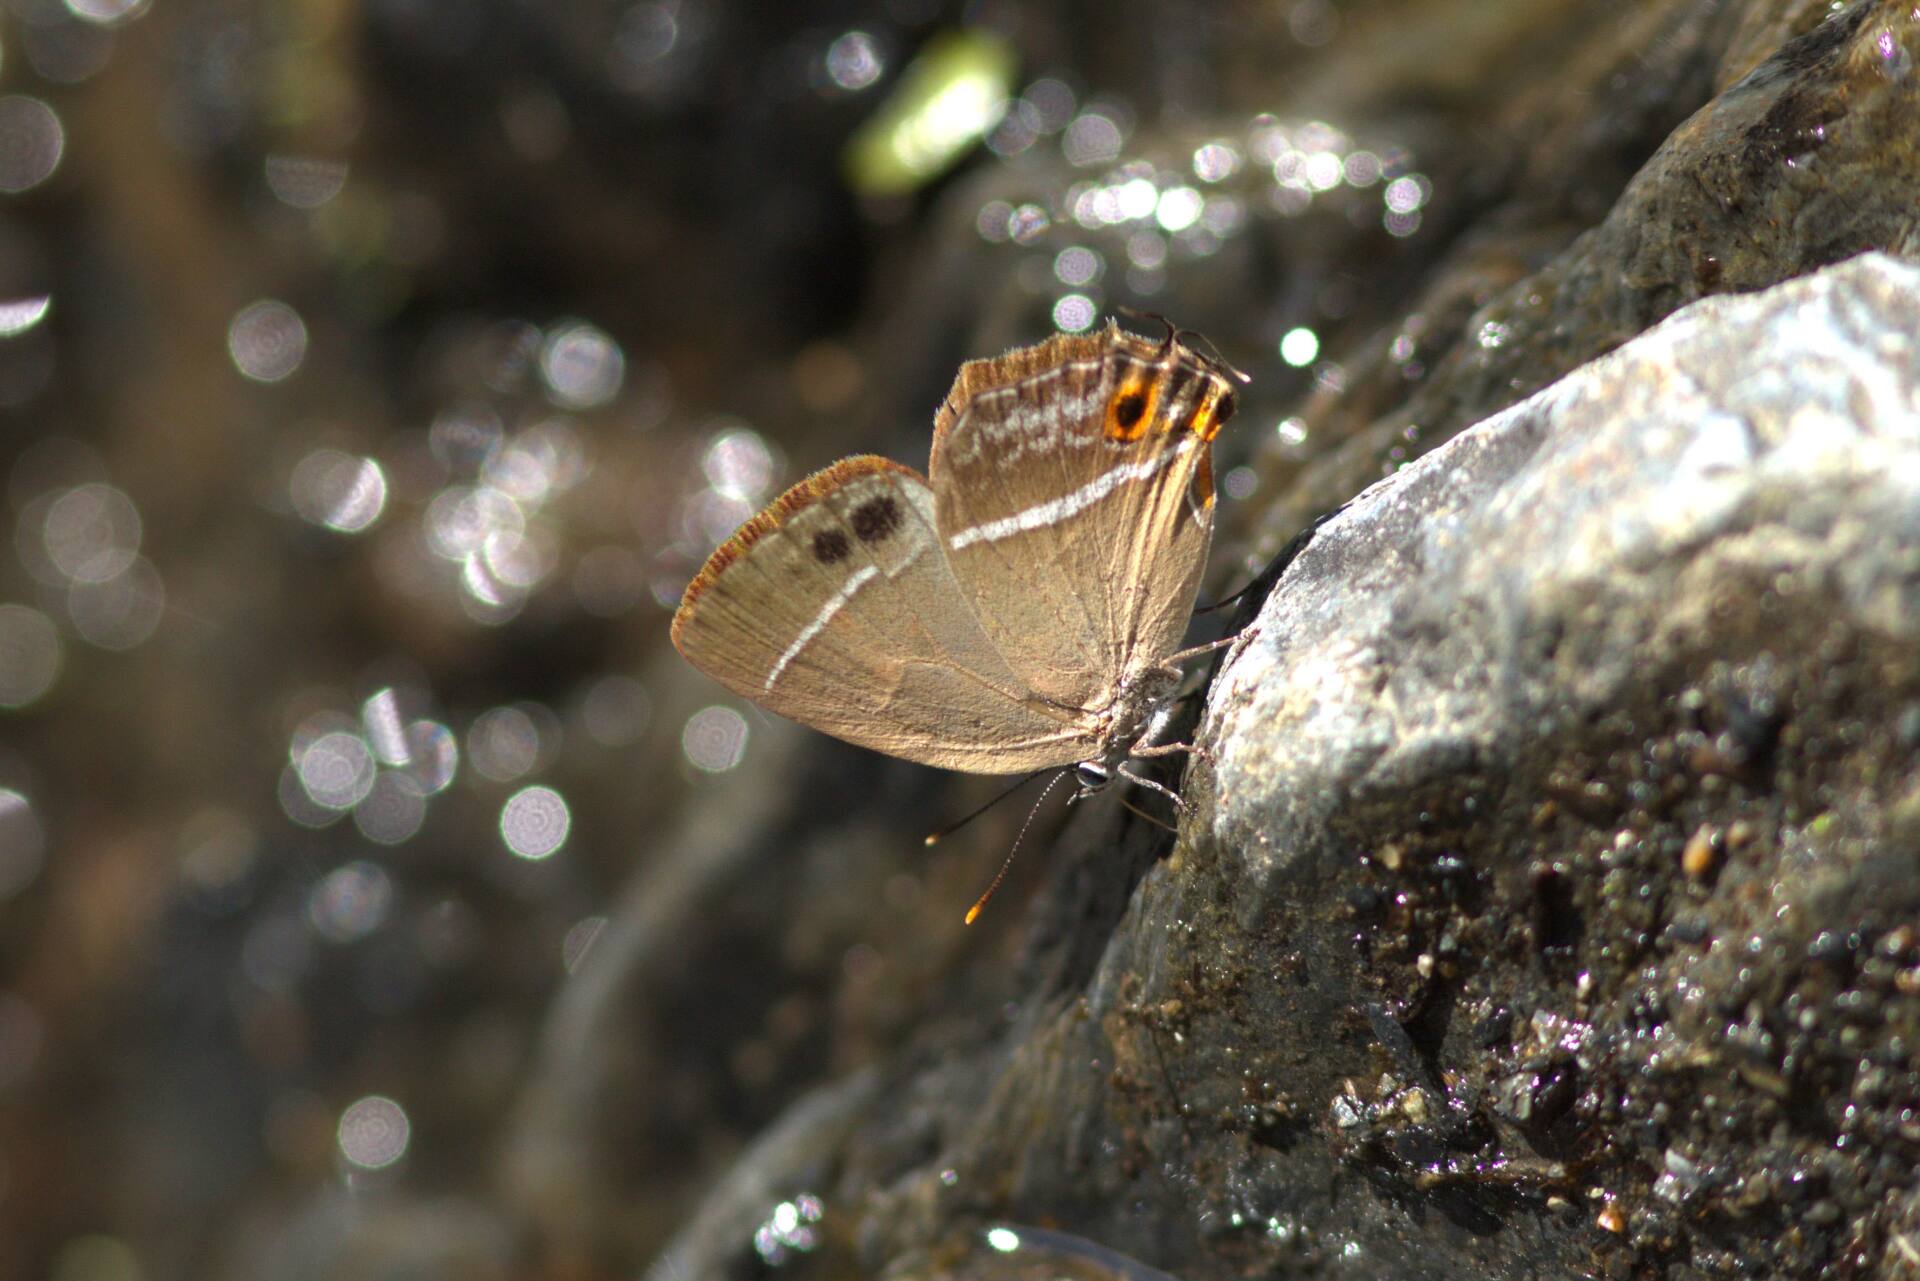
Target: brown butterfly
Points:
(1018, 607)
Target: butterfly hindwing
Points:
(837, 608)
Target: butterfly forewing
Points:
(1075, 505)
(836, 607)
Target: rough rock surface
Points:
(1583, 750)
(1556, 913)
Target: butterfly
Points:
(1020, 606)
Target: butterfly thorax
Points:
(1137, 716)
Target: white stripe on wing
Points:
(835, 603)
(1055, 510)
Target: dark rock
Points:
(1703, 512)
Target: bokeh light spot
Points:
(1076, 266)
(305, 182)
(392, 810)
(350, 902)
(1074, 314)
(465, 437)
(992, 222)
(1147, 249)
(1216, 161)
(1178, 208)
(1027, 223)
(1299, 346)
(1053, 100)
(373, 1133)
(1363, 169)
(386, 731)
(30, 659)
(66, 53)
(31, 143)
(342, 492)
(739, 465)
(277, 951)
(1400, 224)
(1405, 194)
(337, 770)
(267, 341)
(22, 314)
(124, 611)
(459, 520)
(615, 711)
(1323, 171)
(297, 805)
(1094, 138)
(91, 533)
(580, 940)
(714, 739)
(582, 366)
(1138, 198)
(789, 1230)
(535, 821)
(504, 744)
(1017, 130)
(433, 757)
(23, 843)
(106, 13)
(853, 61)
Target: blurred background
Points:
(373, 376)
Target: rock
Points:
(1488, 708)
(1429, 991)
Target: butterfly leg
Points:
(1238, 638)
(1152, 786)
(1168, 749)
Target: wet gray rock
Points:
(1583, 750)
(1555, 909)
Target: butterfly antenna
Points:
(934, 838)
(1134, 313)
(973, 913)
(1176, 334)
(1135, 810)
(1213, 354)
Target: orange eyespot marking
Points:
(1130, 411)
(1212, 415)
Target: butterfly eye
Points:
(1091, 776)
(1224, 410)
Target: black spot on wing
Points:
(830, 546)
(876, 518)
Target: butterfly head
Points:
(1092, 776)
